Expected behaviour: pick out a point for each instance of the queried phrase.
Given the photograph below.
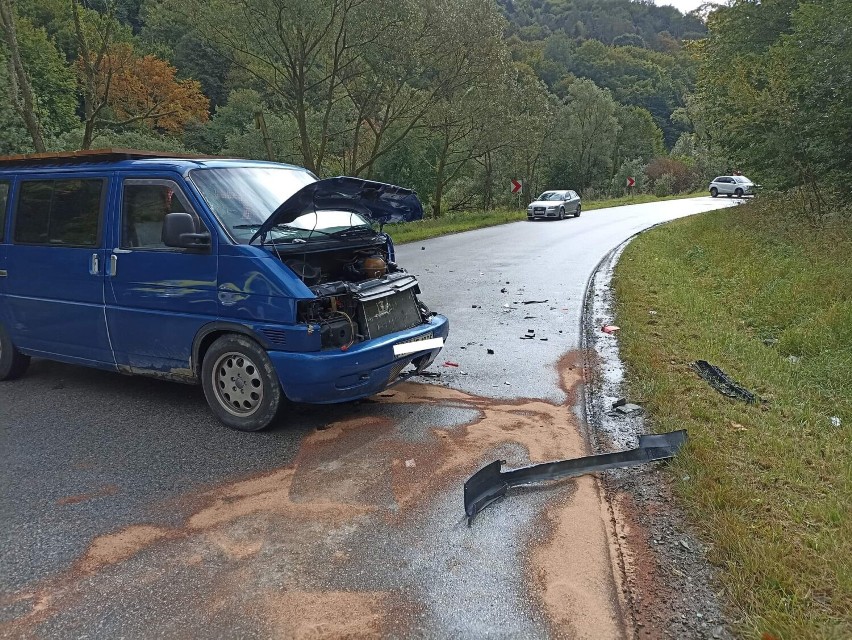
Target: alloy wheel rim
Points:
(238, 385)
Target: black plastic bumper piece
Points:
(490, 484)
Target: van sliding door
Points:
(55, 269)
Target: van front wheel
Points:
(240, 384)
(13, 364)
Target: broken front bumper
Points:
(330, 376)
(490, 483)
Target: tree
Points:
(638, 137)
(763, 111)
(20, 88)
(586, 137)
(145, 90)
(124, 89)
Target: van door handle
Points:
(3, 273)
(94, 265)
(113, 265)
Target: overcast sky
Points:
(684, 5)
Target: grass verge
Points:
(469, 220)
(769, 300)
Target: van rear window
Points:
(59, 212)
(4, 196)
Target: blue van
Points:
(254, 279)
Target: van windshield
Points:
(242, 198)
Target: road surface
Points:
(127, 510)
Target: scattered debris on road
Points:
(451, 364)
(490, 483)
(610, 328)
(628, 409)
(490, 352)
(722, 383)
(534, 301)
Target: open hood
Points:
(377, 201)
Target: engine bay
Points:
(360, 294)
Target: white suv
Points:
(738, 186)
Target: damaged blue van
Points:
(255, 279)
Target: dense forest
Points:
(451, 97)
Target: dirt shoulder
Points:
(669, 587)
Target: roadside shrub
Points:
(665, 185)
(629, 168)
(682, 173)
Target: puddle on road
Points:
(313, 549)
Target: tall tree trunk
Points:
(439, 177)
(21, 89)
(488, 187)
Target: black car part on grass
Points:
(720, 381)
(490, 484)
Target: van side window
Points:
(144, 205)
(4, 197)
(59, 212)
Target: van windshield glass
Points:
(242, 198)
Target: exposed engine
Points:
(347, 265)
(360, 295)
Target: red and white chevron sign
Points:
(631, 182)
(517, 185)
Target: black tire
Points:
(561, 213)
(714, 192)
(738, 193)
(254, 398)
(577, 212)
(13, 364)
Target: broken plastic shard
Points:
(610, 328)
(720, 381)
(835, 421)
(629, 409)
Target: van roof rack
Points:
(92, 155)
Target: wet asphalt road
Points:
(532, 261)
(127, 510)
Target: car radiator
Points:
(388, 314)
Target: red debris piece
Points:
(609, 328)
(450, 364)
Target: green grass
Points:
(769, 300)
(468, 220)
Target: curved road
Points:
(128, 511)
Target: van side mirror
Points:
(179, 231)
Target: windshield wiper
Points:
(351, 231)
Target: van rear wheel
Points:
(13, 364)
(240, 384)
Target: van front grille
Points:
(389, 314)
